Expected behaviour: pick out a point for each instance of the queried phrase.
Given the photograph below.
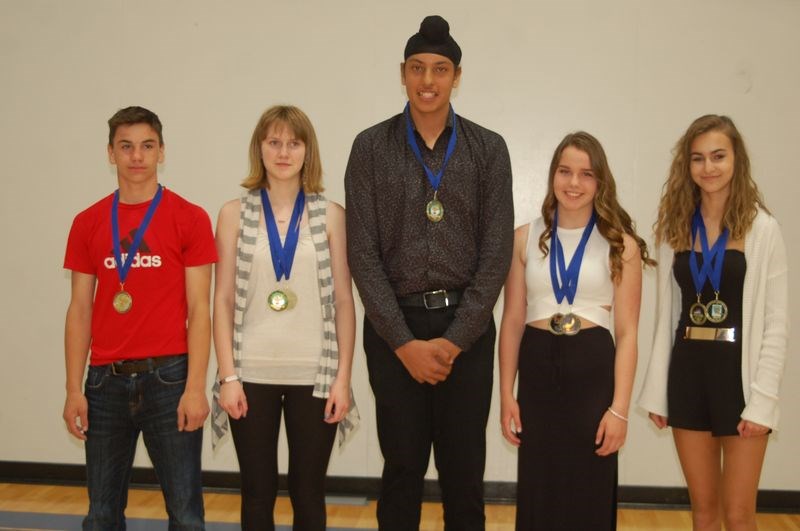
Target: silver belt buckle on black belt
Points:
(431, 293)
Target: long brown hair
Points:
(680, 195)
(612, 220)
(299, 124)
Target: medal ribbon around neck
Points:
(124, 268)
(712, 257)
(568, 286)
(283, 254)
(434, 179)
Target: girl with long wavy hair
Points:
(720, 339)
(573, 269)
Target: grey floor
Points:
(19, 521)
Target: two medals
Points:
(564, 278)
(715, 311)
(282, 254)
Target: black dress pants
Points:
(450, 415)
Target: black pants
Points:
(451, 416)
(310, 441)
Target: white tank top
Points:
(282, 347)
(595, 288)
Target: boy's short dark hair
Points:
(134, 115)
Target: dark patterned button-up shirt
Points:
(395, 250)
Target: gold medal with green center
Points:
(716, 310)
(434, 209)
(281, 300)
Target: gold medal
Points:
(571, 324)
(716, 311)
(278, 301)
(281, 299)
(555, 324)
(122, 302)
(434, 209)
(697, 313)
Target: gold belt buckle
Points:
(705, 333)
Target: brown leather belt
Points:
(128, 367)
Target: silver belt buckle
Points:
(437, 292)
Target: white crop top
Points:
(595, 288)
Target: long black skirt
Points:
(566, 383)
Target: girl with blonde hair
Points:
(284, 322)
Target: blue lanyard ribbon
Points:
(123, 268)
(712, 257)
(568, 286)
(283, 254)
(434, 179)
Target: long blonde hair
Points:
(299, 124)
(612, 220)
(680, 196)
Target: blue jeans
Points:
(121, 406)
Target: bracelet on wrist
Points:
(231, 378)
(620, 417)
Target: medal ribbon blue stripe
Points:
(568, 287)
(434, 179)
(283, 255)
(713, 257)
(122, 269)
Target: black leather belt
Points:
(128, 367)
(431, 300)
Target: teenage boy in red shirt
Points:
(141, 271)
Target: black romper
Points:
(704, 388)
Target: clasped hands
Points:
(428, 361)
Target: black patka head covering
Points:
(434, 37)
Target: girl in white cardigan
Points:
(721, 328)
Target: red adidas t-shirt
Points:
(179, 236)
